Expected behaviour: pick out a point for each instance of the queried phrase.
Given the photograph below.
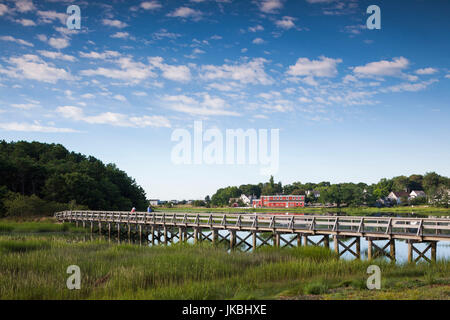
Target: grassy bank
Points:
(34, 267)
(417, 210)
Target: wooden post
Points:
(109, 231)
(99, 228)
(369, 249)
(214, 236)
(254, 240)
(118, 232)
(129, 232)
(336, 244)
(326, 241)
(76, 223)
(433, 251)
(185, 233)
(305, 240)
(140, 234)
(299, 240)
(277, 240)
(84, 224)
(358, 247)
(165, 235)
(195, 235)
(92, 226)
(232, 239)
(180, 234)
(392, 249)
(152, 231)
(410, 251)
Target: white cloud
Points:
(411, 87)
(34, 68)
(50, 16)
(258, 41)
(114, 119)
(32, 127)
(248, 72)
(114, 23)
(58, 43)
(120, 35)
(97, 55)
(185, 12)
(383, 68)
(129, 71)
(19, 41)
(120, 97)
(210, 106)
(26, 22)
(176, 73)
(286, 23)
(324, 67)
(256, 28)
(426, 71)
(57, 55)
(88, 96)
(150, 5)
(24, 106)
(24, 5)
(270, 6)
(163, 33)
(3, 9)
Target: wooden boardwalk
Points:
(163, 227)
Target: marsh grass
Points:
(34, 267)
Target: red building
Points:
(286, 201)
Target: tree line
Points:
(39, 178)
(434, 185)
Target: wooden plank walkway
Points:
(412, 230)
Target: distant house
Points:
(313, 192)
(395, 197)
(154, 202)
(247, 200)
(173, 201)
(417, 194)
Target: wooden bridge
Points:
(277, 230)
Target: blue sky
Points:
(351, 104)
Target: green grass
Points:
(34, 267)
(48, 226)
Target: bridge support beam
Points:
(277, 240)
(431, 246)
(118, 232)
(109, 231)
(180, 234)
(140, 234)
(215, 236)
(375, 251)
(305, 240)
(232, 239)
(326, 241)
(99, 228)
(196, 235)
(299, 240)
(92, 226)
(336, 244)
(129, 232)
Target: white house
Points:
(396, 196)
(154, 202)
(417, 194)
(313, 192)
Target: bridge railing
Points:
(344, 225)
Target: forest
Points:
(40, 179)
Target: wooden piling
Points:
(369, 249)
(410, 251)
(140, 234)
(433, 251)
(277, 240)
(232, 239)
(392, 249)
(336, 244)
(195, 235)
(254, 240)
(299, 240)
(358, 247)
(326, 241)
(305, 240)
(180, 234)
(215, 236)
(165, 235)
